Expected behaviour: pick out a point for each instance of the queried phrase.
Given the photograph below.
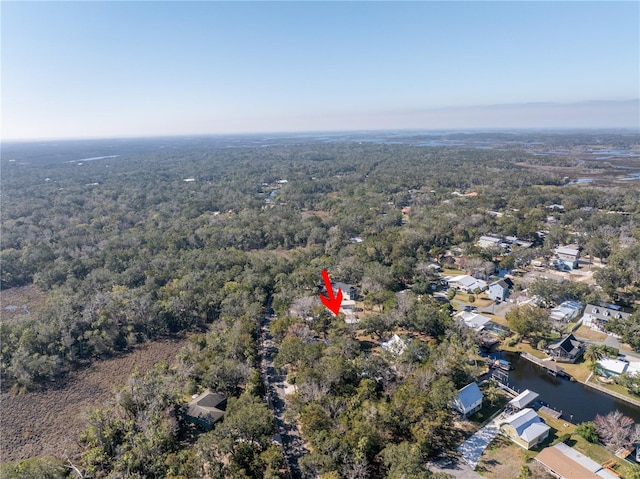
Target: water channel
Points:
(571, 398)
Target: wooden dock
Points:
(550, 412)
(552, 368)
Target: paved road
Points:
(614, 343)
(275, 383)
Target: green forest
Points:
(202, 242)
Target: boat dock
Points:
(552, 368)
(550, 412)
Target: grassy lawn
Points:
(588, 333)
(452, 272)
(616, 388)
(523, 347)
(481, 300)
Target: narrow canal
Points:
(572, 398)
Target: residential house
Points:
(525, 428)
(465, 283)
(566, 311)
(556, 206)
(348, 292)
(567, 463)
(468, 400)
(596, 315)
(205, 410)
(612, 367)
(489, 241)
(499, 291)
(472, 320)
(513, 240)
(567, 350)
(566, 258)
(523, 399)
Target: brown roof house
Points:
(205, 410)
(567, 463)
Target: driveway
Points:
(460, 470)
(473, 447)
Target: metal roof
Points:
(524, 398)
(469, 394)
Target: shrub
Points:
(588, 431)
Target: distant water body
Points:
(94, 158)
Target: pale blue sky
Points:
(100, 69)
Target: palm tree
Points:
(593, 353)
(594, 367)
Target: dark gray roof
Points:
(343, 286)
(605, 312)
(208, 406)
(570, 345)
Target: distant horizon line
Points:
(442, 131)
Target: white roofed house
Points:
(489, 241)
(475, 321)
(525, 428)
(566, 312)
(468, 400)
(465, 283)
(348, 308)
(612, 367)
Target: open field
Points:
(20, 301)
(48, 422)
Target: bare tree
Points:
(614, 429)
(303, 307)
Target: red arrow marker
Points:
(331, 302)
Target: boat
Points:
(500, 364)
